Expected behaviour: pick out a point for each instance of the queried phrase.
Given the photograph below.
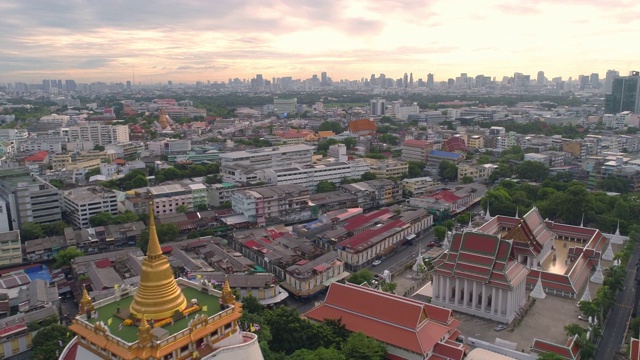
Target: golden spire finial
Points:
(144, 333)
(144, 325)
(227, 294)
(85, 303)
(153, 247)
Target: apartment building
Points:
(310, 175)
(10, 248)
(235, 164)
(274, 204)
(80, 204)
(126, 149)
(416, 150)
(477, 172)
(170, 146)
(51, 144)
(475, 142)
(388, 168)
(167, 198)
(307, 278)
(98, 134)
(60, 120)
(420, 186)
(221, 193)
(29, 198)
(374, 193)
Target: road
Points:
(405, 254)
(616, 325)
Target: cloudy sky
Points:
(190, 40)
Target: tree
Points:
(325, 186)
(57, 183)
(91, 173)
(290, 332)
(320, 353)
(361, 277)
(361, 347)
(64, 256)
(532, 170)
(181, 209)
(449, 224)
(440, 232)
(467, 179)
(46, 343)
(463, 219)
(634, 327)
(389, 287)
(350, 142)
(331, 126)
(101, 219)
(416, 169)
(447, 170)
(125, 218)
(388, 139)
(550, 356)
(368, 176)
(55, 228)
(574, 329)
(30, 231)
(202, 207)
(252, 305)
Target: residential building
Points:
(475, 142)
(544, 159)
(29, 198)
(477, 276)
(261, 286)
(625, 94)
(199, 195)
(377, 107)
(16, 136)
(420, 186)
(452, 200)
(80, 204)
(402, 112)
(60, 120)
(338, 152)
(264, 158)
(409, 329)
(274, 204)
(38, 159)
(477, 172)
(436, 156)
(4, 215)
(15, 337)
(168, 198)
(333, 200)
(388, 168)
(51, 144)
(170, 146)
(374, 193)
(10, 248)
(221, 193)
(307, 278)
(98, 134)
(416, 150)
(310, 175)
(285, 106)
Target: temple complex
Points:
(163, 318)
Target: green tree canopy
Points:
(361, 347)
(331, 126)
(46, 343)
(532, 170)
(440, 232)
(325, 186)
(467, 179)
(64, 256)
(361, 277)
(368, 176)
(30, 231)
(416, 169)
(101, 219)
(447, 170)
(182, 209)
(320, 353)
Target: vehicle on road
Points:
(500, 327)
(376, 262)
(431, 244)
(583, 318)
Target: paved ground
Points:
(545, 320)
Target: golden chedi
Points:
(158, 295)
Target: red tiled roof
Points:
(448, 351)
(357, 221)
(454, 144)
(363, 237)
(568, 351)
(417, 143)
(103, 264)
(392, 319)
(445, 195)
(39, 156)
(362, 126)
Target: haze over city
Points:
(200, 40)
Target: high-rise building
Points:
(259, 81)
(625, 95)
(405, 81)
(163, 318)
(323, 79)
(377, 107)
(46, 85)
(99, 134)
(584, 81)
(411, 80)
(608, 80)
(594, 80)
(540, 79)
(128, 85)
(430, 81)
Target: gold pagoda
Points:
(162, 119)
(158, 296)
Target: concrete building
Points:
(233, 163)
(416, 150)
(377, 107)
(402, 112)
(477, 276)
(310, 175)
(80, 204)
(389, 168)
(274, 204)
(285, 106)
(51, 144)
(544, 159)
(306, 278)
(98, 134)
(374, 193)
(170, 146)
(475, 142)
(477, 172)
(167, 198)
(420, 186)
(10, 248)
(55, 119)
(625, 94)
(29, 198)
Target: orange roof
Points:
(392, 319)
(324, 134)
(362, 126)
(37, 157)
(417, 143)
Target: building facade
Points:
(274, 204)
(310, 175)
(80, 204)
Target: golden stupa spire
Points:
(158, 295)
(162, 119)
(85, 303)
(227, 294)
(144, 332)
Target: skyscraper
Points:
(323, 79)
(625, 94)
(377, 107)
(594, 80)
(411, 80)
(608, 80)
(430, 81)
(540, 79)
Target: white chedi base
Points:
(597, 277)
(586, 296)
(538, 291)
(608, 254)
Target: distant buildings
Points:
(274, 204)
(310, 175)
(170, 146)
(285, 106)
(98, 134)
(377, 107)
(416, 150)
(625, 94)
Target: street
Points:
(405, 254)
(616, 325)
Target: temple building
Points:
(478, 276)
(164, 318)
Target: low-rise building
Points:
(333, 200)
(80, 204)
(477, 172)
(170, 146)
(274, 204)
(453, 200)
(374, 193)
(389, 168)
(416, 150)
(420, 186)
(10, 248)
(436, 156)
(307, 278)
(310, 175)
(168, 198)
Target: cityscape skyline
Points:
(200, 41)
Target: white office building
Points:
(80, 204)
(310, 175)
(264, 158)
(170, 146)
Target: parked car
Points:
(376, 262)
(500, 327)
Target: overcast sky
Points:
(190, 40)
